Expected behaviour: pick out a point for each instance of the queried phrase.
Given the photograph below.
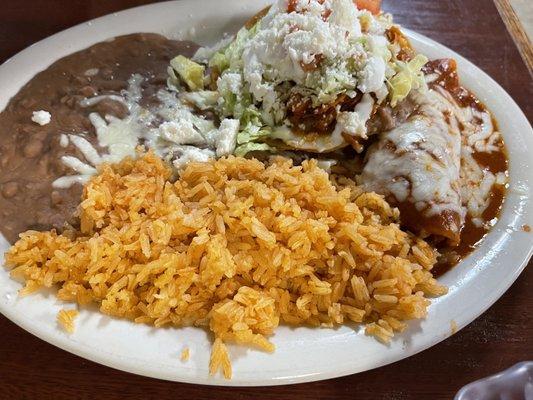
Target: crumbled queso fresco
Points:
(41, 117)
(288, 46)
(319, 50)
(181, 137)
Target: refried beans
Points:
(30, 154)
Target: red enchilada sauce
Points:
(27, 200)
(495, 162)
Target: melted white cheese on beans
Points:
(174, 139)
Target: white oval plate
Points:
(302, 354)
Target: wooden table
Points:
(33, 369)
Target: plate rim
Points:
(77, 348)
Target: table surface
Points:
(501, 337)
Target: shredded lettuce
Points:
(244, 149)
(228, 104)
(233, 104)
(219, 61)
(229, 61)
(230, 57)
(251, 117)
(252, 128)
(189, 71)
(235, 99)
(235, 49)
(408, 77)
(252, 133)
(226, 100)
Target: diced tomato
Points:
(374, 6)
(291, 7)
(313, 65)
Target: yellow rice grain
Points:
(185, 354)
(65, 318)
(220, 359)
(236, 246)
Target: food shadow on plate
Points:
(206, 27)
